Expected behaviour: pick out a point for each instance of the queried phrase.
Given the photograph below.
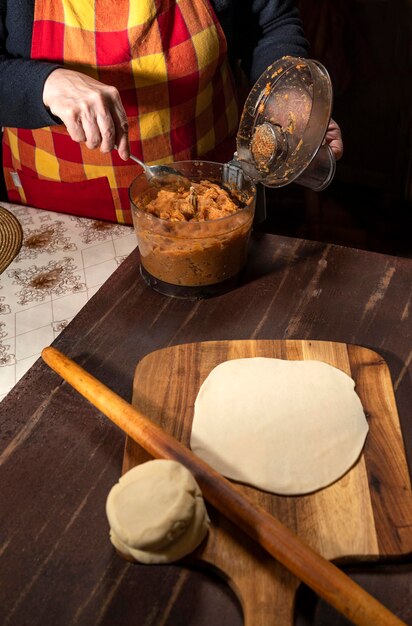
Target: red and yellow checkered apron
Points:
(168, 60)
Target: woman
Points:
(153, 77)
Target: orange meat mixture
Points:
(203, 201)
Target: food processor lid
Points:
(284, 121)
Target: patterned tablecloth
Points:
(62, 262)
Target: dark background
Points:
(366, 46)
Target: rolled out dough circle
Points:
(288, 427)
(156, 512)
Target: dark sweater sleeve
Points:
(279, 32)
(21, 79)
(265, 31)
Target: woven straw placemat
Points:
(11, 237)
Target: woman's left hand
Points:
(334, 139)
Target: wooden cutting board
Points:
(366, 515)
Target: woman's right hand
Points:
(91, 111)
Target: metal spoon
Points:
(160, 175)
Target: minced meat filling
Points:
(203, 201)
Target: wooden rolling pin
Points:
(318, 573)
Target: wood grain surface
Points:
(366, 515)
(59, 456)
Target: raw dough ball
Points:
(288, 427)
(156, 512)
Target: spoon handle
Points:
(136, 160)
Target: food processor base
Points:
(196, 292)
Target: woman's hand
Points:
(334, 139)
(91, 111)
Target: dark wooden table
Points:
(59, 457)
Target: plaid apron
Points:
(168, 60)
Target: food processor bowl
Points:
(194, 259)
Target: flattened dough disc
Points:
(288, 427)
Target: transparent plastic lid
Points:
(283, 126)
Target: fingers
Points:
(92, 131)
(91, 111)
(334, 139)
(75, 128)
(105, 123)
(121, 130)
(123, 146)
(113, 125)
(336, 146)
